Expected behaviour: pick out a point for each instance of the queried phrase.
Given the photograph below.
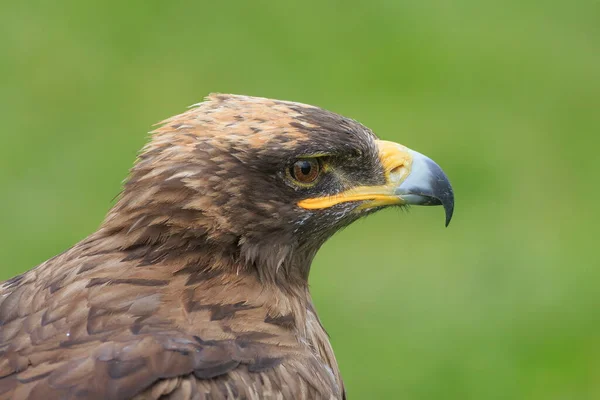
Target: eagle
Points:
(195, 285)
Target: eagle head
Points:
(260, 184)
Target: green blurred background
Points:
(504, 304)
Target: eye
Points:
(305, 171)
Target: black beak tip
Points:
(449, 209)
(442, 190)
(446, 200)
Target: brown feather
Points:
(176, 295)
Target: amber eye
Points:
(305, 171)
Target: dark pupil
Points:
(305, 167)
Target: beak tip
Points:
(442, 189)
(449, 208)
(448, 218)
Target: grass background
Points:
(504, 304)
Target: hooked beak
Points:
(411, 178)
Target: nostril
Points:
(396, 170)
(397, 173)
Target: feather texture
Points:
(195, 285)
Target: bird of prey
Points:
(195, 286)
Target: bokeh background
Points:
(503, 304)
